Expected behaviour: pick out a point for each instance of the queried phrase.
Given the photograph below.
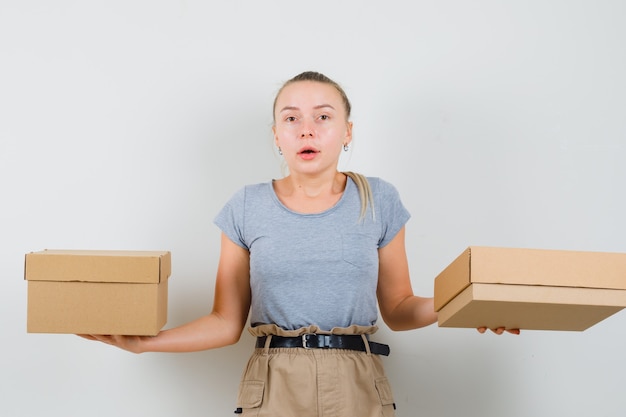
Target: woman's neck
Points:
(310, 194)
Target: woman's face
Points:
(311, 126)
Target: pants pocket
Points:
(250, 397)
(386, 396)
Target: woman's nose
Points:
(307, 130)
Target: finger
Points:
(104, 338)
(481, 329)
(501, 330)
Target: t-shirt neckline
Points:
(349, 184)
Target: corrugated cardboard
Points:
(530, 288)
(97, 292)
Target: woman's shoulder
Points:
(254, 188)
(250, 192)
(381, 185)
(257, 187)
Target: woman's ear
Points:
(275, 136)
(348, 137)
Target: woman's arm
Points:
(399, 307)
(222, 327)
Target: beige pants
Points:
(297, 382)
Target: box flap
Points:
(548, 267)
(452, 280)
(98, 266)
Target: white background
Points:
(128, 124)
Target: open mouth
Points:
(308, 151)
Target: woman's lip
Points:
(307, 150)
(308, 155)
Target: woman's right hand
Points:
(222, 327)
(499, 330)
(129, 343)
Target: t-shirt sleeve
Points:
(231, 218)
(393, 214)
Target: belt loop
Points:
(367, 344)
(268, 341)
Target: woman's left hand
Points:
(499, 330)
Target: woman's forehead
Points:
(312, 93)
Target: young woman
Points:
(309, 257)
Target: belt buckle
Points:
(305, 340)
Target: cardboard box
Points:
(530, 289)
(97, 292)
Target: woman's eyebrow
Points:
(320, 106)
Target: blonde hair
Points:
(362, 184)
(365, 193)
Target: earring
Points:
(280, 151)
(346, 147)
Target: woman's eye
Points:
(290, 119)
(324, 117)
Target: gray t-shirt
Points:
(313, 269)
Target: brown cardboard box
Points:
(97, 292)
(530, 289)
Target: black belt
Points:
(324, 341)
